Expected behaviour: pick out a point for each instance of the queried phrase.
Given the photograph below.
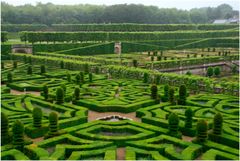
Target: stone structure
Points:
(22, 49)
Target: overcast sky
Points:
(181, 4)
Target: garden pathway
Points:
(121, 153)
(16, 92)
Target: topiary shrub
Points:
(61, 64)
(202, 128)
(154, 91)
(209, 71)
(86, 68)
(45, 92)
(81, 77)
(217, 124)
(173, 124)
(14, 64)
(145, 78)
(188, 118)
(18, 131)
(69, 78)
(59, 95)
(182, 95)
(9, 77)
(234, 69)
(159, 58)
(43, 69)
(63, 86)
(97, 70)
(165, 97)
(77, 93)
(152, 58)
(29, 70)
(2, 65)
(217, 71)
(171, 95)
(77, 78)
(29, 60)
(37, 117)
(4, 129)
(135, 63)
(53, 123)
(90, 77)
(188, 73)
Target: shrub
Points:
(149, 53)
(81, 77)
(43, 69)
(53, 123)
(29, 70)
(213, 49)
(217, 71)
(171, 95)
(135, 63)
(2, 65)
(173, 124)
(37, 117)
(30, 60)
(69, 78)
(182, 95)
(90, 77)
(145, 78)
(4, 129)
(78, 78)
(188, 73)
(219, 53)
(234, 69)
(165, 97)
(9, 77)
(202, 128)
(188, 56)
(188, 119)
(152, 58)
(159, 58)
(59, 95)
(63, 86)
(61, 64)
(76, 93)
(86, 68)
(217, 124)
(15, 64)
(18, 131)
(154, 91)
(209, 71)
(45, 92)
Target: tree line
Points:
(122, 13)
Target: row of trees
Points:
(122, 13)
(201, 127)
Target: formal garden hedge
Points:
(33, 37)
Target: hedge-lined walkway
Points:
(16, 92)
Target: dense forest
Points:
(64, 14)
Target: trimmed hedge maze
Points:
(45, 111)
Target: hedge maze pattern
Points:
(65, 98)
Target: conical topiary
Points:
(53, 123)
(188, 119)
(37, 117)
(217, 124)
(202, 128)
(18, 131)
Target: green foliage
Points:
(152, 58)
(45, 92)
(188, 73)
(59, 95)
(4, 129)
(135, 63)
(182, 95)
(81, 77)
(62, 64)
(2, 65)
(188, 118)
(86, 68)
(53, 123)
(202, 128)
(217, 71)
(4, 37)
(9, 77)
(217, 124)
(37, 117)
(234, 69)
(154, 91)
(29, 59)
(171, 95)
(159, 58)
(43, 69)
(18, 131)
(78, 78)
(29, 70)
(15, 63)
(76, 93)
(90, 76)
(69, 77)
(209, 71)
(145, 78)
(173, 123)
